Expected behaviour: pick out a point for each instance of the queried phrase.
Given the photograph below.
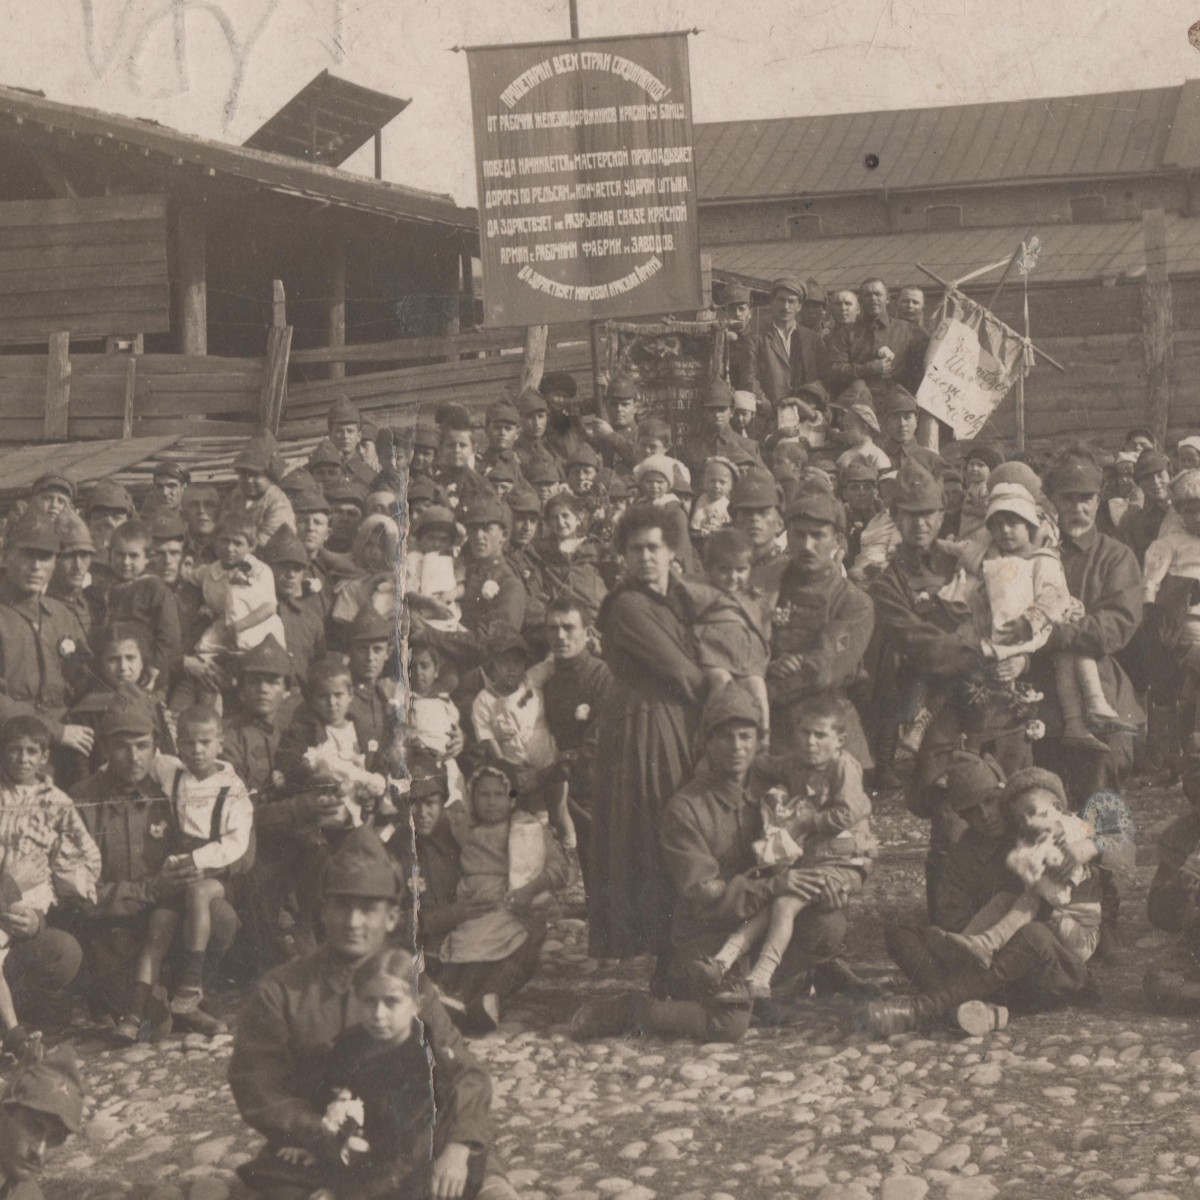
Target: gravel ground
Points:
(1096, 1102)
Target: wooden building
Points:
(845, 197)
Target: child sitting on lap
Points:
(1052, 859)
(815, 817)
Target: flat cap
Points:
(362, 867)
(165, 526)
(858, 470)
(127, 716)
(55, 480)
(621, 387)
(371, 626)
(483, 510)
(1075, 474)
(420, 487)
(34, 531)
(503, 412)
(583, 456)
(736, 293)
(745, 401)
(74, 533)
(502, 472)
(298, 479)
(325, 454)
(816, 504)
(523, 500)
(916, 489)
(718, 394)
(108, 493)
(790, 283)
(425, 437)
(866, 414)
(346, 491)
(51, 1086)
(1150, 462)
(531, 401)
(267, 658)
(542, 468)
(436, 516)
(172, 470)
(343, 410)
(814, 291)
(756, 488)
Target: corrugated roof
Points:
(276, 171)
(1112, 133)
(1070, 253)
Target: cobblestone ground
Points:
(1100, 1102)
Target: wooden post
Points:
(600, 380)
(272, 394)
(337, 297)
(278, 304)
(127, 413)
(58, 388)
(706, 281)
(533, 365)
(190, 258)
(1157, 325)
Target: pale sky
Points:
(754, 58)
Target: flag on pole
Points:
(972, 362)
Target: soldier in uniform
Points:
(503, 427)
(301, 609)
(918, 642)
(757, 507)
(493, 603)
(717, 437)
(298, 1012)
(823, 623)
(43, 642)
(358, 458)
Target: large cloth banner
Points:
(972, 361)
(587, 184)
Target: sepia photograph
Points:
(599, 600)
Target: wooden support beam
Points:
(1157, 324)
(192, 282)
(533, 365)
(127, 413)
(273, 392)
(336, 285)
(58, 388)
(706, 281)
(278, 304)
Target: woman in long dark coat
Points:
(645, 738)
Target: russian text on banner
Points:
(586, 176)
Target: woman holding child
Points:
(646, 736)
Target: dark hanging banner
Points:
(587, 181)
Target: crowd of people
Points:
(675, 664)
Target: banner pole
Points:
(1021, 375)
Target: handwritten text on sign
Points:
(966, 377)
(587, 196)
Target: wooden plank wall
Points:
(173, 393)
(87, 267)
(394, 397)
(1103, 392)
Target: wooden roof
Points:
(326, 121)
(279, 172)
(1068, 137)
